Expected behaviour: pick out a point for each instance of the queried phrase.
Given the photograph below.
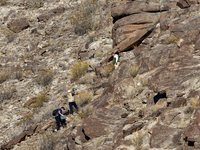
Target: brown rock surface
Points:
(17, 25)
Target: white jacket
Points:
(70, 98)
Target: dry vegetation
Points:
(84, 18)
(171, 39)
(7, 93)
(44, 76)
(85, 113)
(134, 71)
(192, 105)
(78, 70)
(138, 141)
(5, 75)
(107, 71)
(84, 98)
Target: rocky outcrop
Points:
(17, 25)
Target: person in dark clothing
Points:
(58, 119)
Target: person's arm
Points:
(59, 112)
(75, 93)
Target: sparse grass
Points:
(87, 79)
(193, 105)
(138, 141)
(44, 77)
(25, 119)
(35, 3)
(83, 98)
(84, 18)
(47, 141)
(84, 114)
(78, 70)
(39, 102)
(18, 72)
(134, 71)
(171, 39)
(4, 75)
(7, 93)
(107, 71)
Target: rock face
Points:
(151, 101)
(17, 25)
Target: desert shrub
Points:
(39, 102)
(171, 39)
(7, 93)
(83, 98)
(84, 17)
(107, 71)
(18, 72)
(134, 71)
(35, 3)
(44, 76)
(47, 141)
(192, 106)
(85, 113)
(138, 141)
(87, 79)
(4, 75)
(25, 119)
(79, 69)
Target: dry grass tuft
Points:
(138, 141)
(134, 71)
(85, 114)
(7, 93)
(5, 75)
(84, 18)
(78, 70)
(44, 76)
(193, 104)
(171, 39)
(107, 71)
(83, 98)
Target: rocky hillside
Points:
(151, 101)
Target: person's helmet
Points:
(73, 89)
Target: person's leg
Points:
(63, 122)
(58, 122)
(70, 107)
(75, 106)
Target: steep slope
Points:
(151, 101)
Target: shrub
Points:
(41, 98)
(193, 105)
(18, 72)
(83, 18)
(7, 93)
(134, 71)
(171, 39)
(83, 98)
(25, 119)
(107, 71)
(84, 114)
(79, 69)
(47, 141)
(4, 75)
(35, 3)
(3, 2)
(44, 77)
(138, 141)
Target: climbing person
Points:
(116, 61)
(58, 118)
(71, 100)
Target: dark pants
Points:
(58, 121)
(71, 108)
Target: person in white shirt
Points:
(116, 61)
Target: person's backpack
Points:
(54, 112)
